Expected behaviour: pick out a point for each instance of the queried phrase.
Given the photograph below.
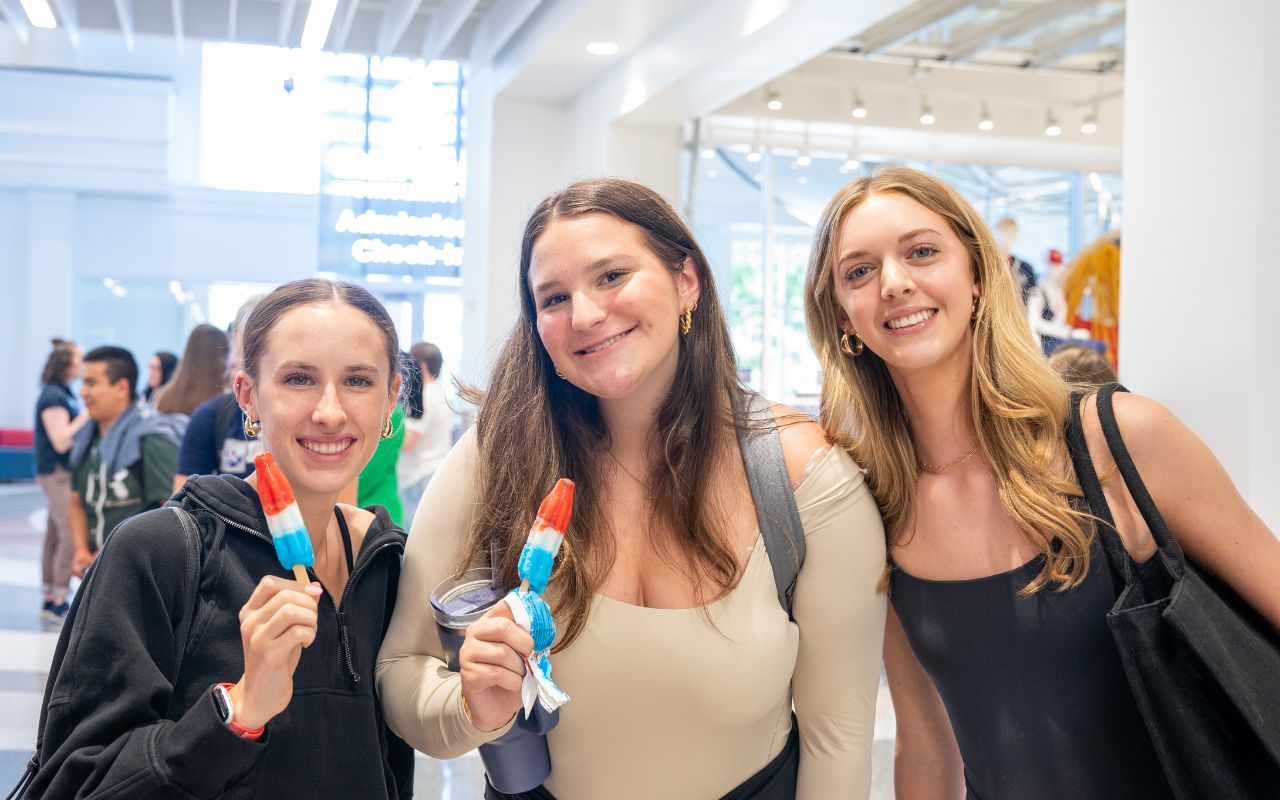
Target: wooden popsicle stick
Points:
(300, 572)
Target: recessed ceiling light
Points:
(754, 156)
(708, 152)
(602, 48)
(803, 160)
(773, 101)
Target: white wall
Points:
(1198, 331)
(92, 172)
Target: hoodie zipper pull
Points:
(346, 646)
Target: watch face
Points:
(222, 702)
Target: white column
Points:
(514, 159)
(48, 290)
(1198, 327)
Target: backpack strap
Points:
(228, 410)
(775, 503)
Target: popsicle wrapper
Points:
(537, 685)
(284, 520)
(528, 608)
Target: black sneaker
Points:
(54, 613)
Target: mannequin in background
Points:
(1047, 308)
(1024, 276)
(1092, 291)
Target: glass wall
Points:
(379, 141)
(745, 204)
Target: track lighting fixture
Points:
(985, 123)
(1051, 126)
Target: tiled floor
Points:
(26, 647)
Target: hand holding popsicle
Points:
(503, 659)
(278, 620)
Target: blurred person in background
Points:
(160, 370)
(428, 427)
(215, 442)
(201, 374)
(58, 419)
(123, 463)
(377, 483)
(1024, 276)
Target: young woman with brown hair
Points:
(192, 664)
(1004, 675)
(201, 372)
(682, 665)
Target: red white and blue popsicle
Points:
(545, 537)
(284, 520)
(528, 609)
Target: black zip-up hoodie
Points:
(155, 626)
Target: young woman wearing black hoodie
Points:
(191, 664)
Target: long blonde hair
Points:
(1018, 404)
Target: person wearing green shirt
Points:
(378, 479)
(122, 464)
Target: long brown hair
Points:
(533, 427)
(200, 374)
(1018, 404)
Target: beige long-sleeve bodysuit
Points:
(663, 704)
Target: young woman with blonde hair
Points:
(681, 662)
(1004, 676)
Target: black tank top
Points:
(1034, 687)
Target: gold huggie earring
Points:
(974, 316)
(847, 349)
(387, 430)
(252, 427)
(559, 374)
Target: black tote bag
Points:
(1204, 667)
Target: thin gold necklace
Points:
(937, 469)
(648, 496)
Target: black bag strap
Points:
(1170, 550)
(1117, 557)
(775, 503)
(194, 563)
(228, 409)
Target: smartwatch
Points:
(227, 712)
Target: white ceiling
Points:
(1019, 61)
(414, 28)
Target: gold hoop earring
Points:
(686, 319)
(560, 374)
(852, 351)
(252, 427)
(387, 430)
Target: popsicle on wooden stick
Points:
(288, 533)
